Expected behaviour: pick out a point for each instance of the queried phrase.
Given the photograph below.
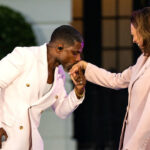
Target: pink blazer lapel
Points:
(139, 70)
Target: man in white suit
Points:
(31, 80)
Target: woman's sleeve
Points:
(107, 79)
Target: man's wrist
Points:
(80, 94)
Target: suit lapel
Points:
(43, 68)
(43, 75)
(43, 99)
(141, 67)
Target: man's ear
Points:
(60, 47)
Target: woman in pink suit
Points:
(136, 126)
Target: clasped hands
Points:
(78, 78)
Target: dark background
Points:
(98, 121)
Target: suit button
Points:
(41, 111)
(21, 127)
(27, 85)
(56, 96)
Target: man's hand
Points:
(79, 81)
(3, 136)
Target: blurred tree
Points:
(14, 31)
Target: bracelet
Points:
(79, 95)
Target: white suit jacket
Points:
(23, 76)
(137, 79)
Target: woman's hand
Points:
(81, 65)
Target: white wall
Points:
(45, 16)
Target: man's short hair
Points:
(67, 34)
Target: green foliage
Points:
(14, 31)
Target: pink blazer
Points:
(137, 79)
(23, 76)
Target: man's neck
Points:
(50, 78)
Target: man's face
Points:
(71, 55)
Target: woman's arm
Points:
(103, 77)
